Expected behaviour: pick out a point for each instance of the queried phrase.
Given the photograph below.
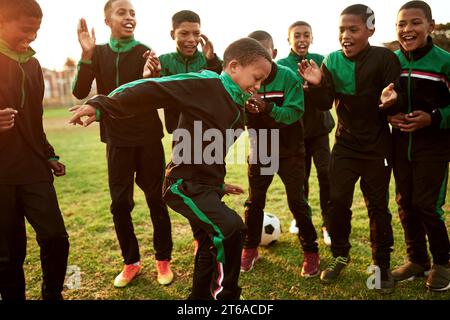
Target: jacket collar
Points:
(237, 94)
(180, 57)
(16, 56)
(420, 52)
(122, 45)
(297, 57)
(360, 55)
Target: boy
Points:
(282, 96)
(421, 139)
(134, 150)
(187, 36)
(354, 78)
(317, 124)
(210, 104)
(27, 160)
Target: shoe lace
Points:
(338, 260)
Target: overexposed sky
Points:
(222, 21)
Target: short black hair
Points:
(422, 5)
(245, 51)
(14, 9)
(184, 16)
(298, 24)
(260, 35)
(361, 10)
(108, 6)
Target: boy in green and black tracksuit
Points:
(421, 157)
(421, 137)
(186, 34)
(134, 148)
(27, 160)
(317, 125)
(194, 185)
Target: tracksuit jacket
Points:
(194, 187)
(175, 63)
(421, 157)
(315, 122)
(114, 64)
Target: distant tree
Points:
(70, 63)
(441, 38)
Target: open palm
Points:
(310, 71)
(86, 39)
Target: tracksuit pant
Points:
(317, 149)
(39, 205)
(292, 173)
(421, 189)
(218, 230)
(145, 165)
(374, 183)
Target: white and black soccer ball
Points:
(271, 229)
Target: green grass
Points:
(84, 200)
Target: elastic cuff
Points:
(97, 114)
(85, 62)
(269, 107)
(436, 118)
(55, 158)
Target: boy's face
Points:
(187, 37)
(250, 77)
(413, 28)
(121, 18)
(300, 38)
(19, 33)
(353, 34)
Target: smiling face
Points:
(249, 77)
(19, 33)
(187, 37)
(413, 28)
(300, 38)
(121, 18)
(353, 34)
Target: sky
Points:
(222, 21)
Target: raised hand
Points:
(388, 97)
(7, 118)
(310, 72)
(207, 47)
(81, 111)
(152, 67)
(86, 39)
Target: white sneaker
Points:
(326, 236)
(293, 228)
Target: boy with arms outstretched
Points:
(356, 78)
(281, 96)
(209, 104)
(317, 124)
(421, 138)
(134, 149)
(27, 160)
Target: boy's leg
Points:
(42, 211)
(321, 156)
(12, 245)
(308, 163)
(414, 230)
(121, 168)
(254, 206)
(344, 173)
(374, 184)
(150, 166)
(292, 174)
(202, 205)
(428, 197)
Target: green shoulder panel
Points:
(174, 63)
(343, 72)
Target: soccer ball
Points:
(271, 229)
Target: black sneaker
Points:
(331, 273)
(409, 271)
(439, 278)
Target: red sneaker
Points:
(129, 272)
(248, 259)
(165, 275)
(311, 265)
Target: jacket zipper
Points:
(409, 104)
(117, 69)
(22, 101)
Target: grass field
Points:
(84, 200)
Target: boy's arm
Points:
(321, 94)
(213, 63)
(85, 74)
(391, 99)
